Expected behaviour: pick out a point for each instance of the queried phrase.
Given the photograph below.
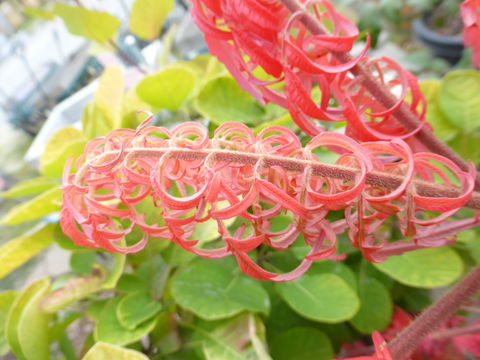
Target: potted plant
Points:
(440, 30)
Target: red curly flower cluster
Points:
(190, 178)
(381, 350)
(453, 340)
(276, 58)
(470, 11)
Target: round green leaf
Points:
(135, 308)
(222, 100)
(304, 343)
(337, 268)
(375, 307)
(110, 330)
(214, 290)
(320, 297)
(103, 351)
(460, 99)
(169, 88)
(425, 268)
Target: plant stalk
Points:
(335, 171)
(385, 97)
(405, 343)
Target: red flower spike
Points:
(189, 178)
(253, 35)
(470, 11)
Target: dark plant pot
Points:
(446, 47)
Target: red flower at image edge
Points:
(470, 11)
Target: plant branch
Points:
(335, 171)
(125, 57)
(384, 96)
(449, 333)
(406, 341)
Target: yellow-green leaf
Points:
(65, 143)
(6, 301)
(94, 121)
(147, 17)
(425, 268)
(222, 100)
(91, 24)
(109, 95)
(39, 206)
(169, 88)
(459, 99)
(27, 325)
(39, 13)
(30, 187)
(104, 351)
(19, 250)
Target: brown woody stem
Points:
(385, 97)
(406, 341)
(376, 178)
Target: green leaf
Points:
(91, 24)
(175, 255)
(135, 308)
(132, 283)
(18, 251)
(240, 338)
(65, 143)
(110, 330)
(376, 307)
(6, 300)
(222, 100)
(94, 121)
(104, 351)
(425, 268)
(321, 297)
(460, 99)
(165, 337)
(169, 88)
(155, 273)
(216, 290)
(147, 17)
(109, 95)
(39, 206)
(442, 127)
(27, 326)
(82, 261)
(39, 13)
(304, 343)
(75, 289)
(30, 187)
(336, 268)
(466, 145)
(116, 272)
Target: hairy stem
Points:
(384, 96)
(335, 171)
(406, 342)
(445, 334)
